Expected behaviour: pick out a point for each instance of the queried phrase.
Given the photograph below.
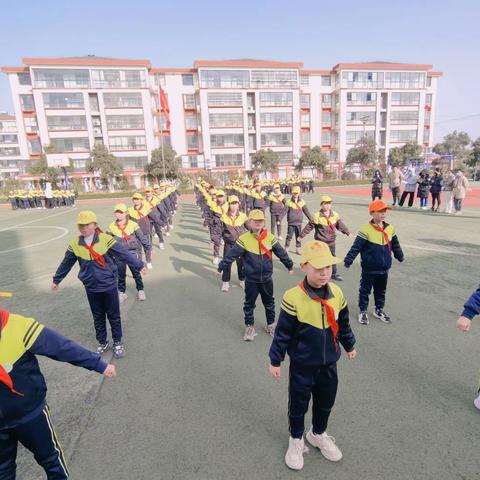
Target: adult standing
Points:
(447, 183)
(410, 186)
(423, 189)
(436, 189)
(395, 178)
(48, 195)
(377, 185)
(460, 187)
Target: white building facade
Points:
(221, 112)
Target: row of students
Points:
(36, 198)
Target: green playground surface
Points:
(193, 401)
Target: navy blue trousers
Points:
(265, 290)
(122, 276)
(40, 438)
(106, 305)
(379, 284)
(227, 271)
(319, 383)
(291, 230)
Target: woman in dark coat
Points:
(436, 188)
(423, 189)
(377, 185)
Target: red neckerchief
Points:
(330, 311)
(232, 219)
(297, 203)
(5, 378)
(151, 204)
(126, 236)
(138, 211)
(385, 235)
(261, 246)
(276, 198)
(330, 224)
(96, 257)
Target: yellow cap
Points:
(120, 207)
(233, 199)
(256, 215)
(156, 186)
(85, 217)
(325, 199)
(137, 196)
(220, 193)
(6, 294)
(318, 255)
(296, 190)
(148, 189)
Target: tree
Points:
(364, 154)
(473, 160)
(395, 157)
(105, 164)
(155, 167)
(40, 167)
(455, 144)
(314, 158)
(399, 156)
(265, 161)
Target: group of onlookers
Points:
(450, 185)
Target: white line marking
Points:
(62, 229)
(33, 221)
(441, 250)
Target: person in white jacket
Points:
(410, 186)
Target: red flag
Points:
(164, 108)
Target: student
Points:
(217, 206)
(234, 224)
(156, 220)
(128, 234)
(139, 213)
(470, 310)
(313, 321)
(256, 247)
(97, 254)
(326, 222)
(278, 210)
(375, 242)
(259, 197)
(296, 208)
(25, 415)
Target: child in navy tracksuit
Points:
(96, 253)
(296, 208)
(313, 323)
(470, 310)
(24, 413)
(375, 242)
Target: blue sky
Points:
(320, 33)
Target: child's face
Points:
(137, 202)
(149, 196)
(317, 277)
(121, 216)
(233, 207)
(325, 207)
(379, 217)
(277, 190)
(220, 200)
(88, 229)
(257, 225)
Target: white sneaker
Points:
(167, 234)
(171, 227)
(216, 261)
(141, 295)
(294, 455)
(476, 402)
(250, 333)
(149, 266)
(225, 286)
(242, 284)
(122, 296)
(280, 238)
(162, 246)
(326, 444)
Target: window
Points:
(188, 101)
(404, 80)
(133, 163)
(123, 100)
(127, 143)
(191, 121)
(326, 80)
(61, 78)
(327, 100)
(224, 79)
(427, 117)
(27, 104)
(285, 158)
(426, 135)
(404, 117)
(304, 120)
(276, 99)
(8, 139)
(361, 98)
(326, 138)
(9, 151)
(34, 146)
(63, 100)
(362, 79)
(429, 81)
(109, 78)
(276, 139)
(159, 79)
(274, 79)
(402, 136)
(187, 79)
(304, 80)
(226, 120)
(305, 100)
(428, 99)
(224, 99)
(134, 78)
(57, 122)
(326, 119)
(8, 126)
(192, 161)
(353, 136)
(192, 142)
(63, 145)
(229, 160)
(228, 140)
(276, 119)
(24, 79)
(125, 121)
(305, 138)
(360, 118)
(405, 98)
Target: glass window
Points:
(133, 163)
(354, 135)
(304, 80)
(361, 98)
(188, 101)
(187, 79)
(285, 158)
(57, 122)
(426, 135)
(113, 78)
(305, 138)
(305, 120)
(427, 117)
(191, 121)
(8, 126)
(125, 121)
(226, 120)
(403, 136)
(123, 100)
(9, 151)
(224, 99)
(30, 125)
(276, 99)
(326, 138)
(274, 79)
(63, 100)
(429, 81)
(8, 139)
(326, 100)
(276, 119)
(27, 104)
(192, 142)
(404, 117)
(326, 119)
(405, 98)
(127, 143)
(404, 80)
(61, 78)
(229, 160)
(428, 99)
(360, 118)
(34, 146)
(305, 100)
(362, 79)
(224, 79)
(159, 79)
(228, 140)
(134, 79)
(24, 79)
(326, 80)
(63, 145)
(276, 139)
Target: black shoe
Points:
(103, 347)
(381, 315)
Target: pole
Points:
(161, 142)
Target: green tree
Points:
(456, 144)
(395, 157)
(364, 154)
(473, 160)
(40, 167)
(266, 161)
(155, 168)
(399, 156)
(104, 163)
(314, 158)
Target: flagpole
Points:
(161, 144)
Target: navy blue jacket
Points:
(472, 307)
